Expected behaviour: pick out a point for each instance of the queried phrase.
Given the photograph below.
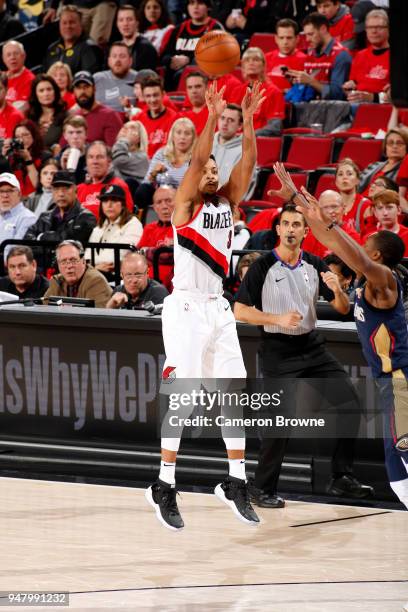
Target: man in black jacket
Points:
(67, 220)
(23, 280)
(73, 47)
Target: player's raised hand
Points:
(214, 99)
(332, 281)
(289, 320)
(252, 100)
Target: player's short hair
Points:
(21, 250)
(287, 23)
(290, 208)
(152, 81)
(317, 20)
(388, 196)
(391, 247)
(347, 272)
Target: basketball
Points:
(217, 53)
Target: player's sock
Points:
(168, 472)
(237, 468)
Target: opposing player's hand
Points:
(289, 320)
(252, 100)
(288, 188)
(332, 281)
(308, 206)
(214, 99)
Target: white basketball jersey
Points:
(202, 249)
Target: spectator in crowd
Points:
(15, 218)
(67, 219)
(132, 110)
(136, 288)
(25, 154)
(158, 118)
(346, 275)
(227, 147)
(357, 208)
(143, 53)
(160, 233)
(9, 116)
(179, 51)
(370, 70)
(113, 84)
(169, 164)
(249, 17)
(387, 210)
(100, 173)
(340, 20)
(154, 23)
(244, 264)
(402, 182)
(269, 117)
(395, 146)
(62, 75)
(47, 109)
(19, 77)
(76, 278)
(381, 183)
(73, 47)
(327, 65)
(10, 27)
(129, 153)
(196, 85)
(103, 122)
(22, 279)
(115, 224)
(42, 200)
(73, 156)
(286, 56)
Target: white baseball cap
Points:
(10, 179)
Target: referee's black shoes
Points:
(263, 499)
(348, 486)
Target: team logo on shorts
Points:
(169, 374)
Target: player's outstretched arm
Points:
(188, 190)
(241, 174)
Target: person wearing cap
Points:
(103, 122)
(76, 278)
(113, 84)
(15, 218)
(73, 47)
(179, 51)
(370, 69)
(67, 219)
(115, 224)
(143, 53)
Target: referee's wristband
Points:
(333, 224)
(293, 196)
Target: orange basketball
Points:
(217, 53)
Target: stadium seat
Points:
(266, 42)
(368, 118)
(362, 151)
(269, 150)
(309, 153)
(299, 178)
(326, 181)
(403, 116)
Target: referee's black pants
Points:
(305, 356)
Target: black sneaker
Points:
(162, 497)
(234, 493)
(349, 486)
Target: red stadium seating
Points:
(368, 118)
(403, 116)
(326, 181)
(299, 178)
(269, 150)
(266, 42)
(252, 207)
(309, 153)
(363, 152)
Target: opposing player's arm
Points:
(188, 190)
(241, 174)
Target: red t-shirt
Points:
(370, 70)
(199, 119)
(166, 102)
(263, 220)
(402, 233)
(230, 82)
(274, 62)
(157, 128)
(103, 123)
(9, 117)
(343, 29)
(69, 99)
(272, 108)
(19, 88)
(402, 176)
(320, 66)
(155, 235)
(312, 245)
(88, 194)
(360, 205)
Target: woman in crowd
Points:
(356, 207)
(47, 109)
(62, 75)
(115, 224)
(154, 23)
(169, 164)
(395, 148)
(41, 201)
(129, 153)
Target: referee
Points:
(279, 292)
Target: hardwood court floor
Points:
(104, 545)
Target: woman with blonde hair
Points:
(62, 75)
(129, 153)
(357, 208)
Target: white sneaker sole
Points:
(149, 497)
(219, 492)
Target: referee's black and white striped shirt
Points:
(272, 285)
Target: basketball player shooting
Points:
(199, 330)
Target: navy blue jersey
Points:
(383, 334)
